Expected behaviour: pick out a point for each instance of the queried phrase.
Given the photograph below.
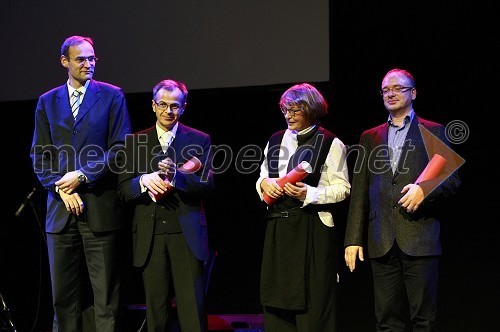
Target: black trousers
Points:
(100, 251)
(405, 283)
(172, 263)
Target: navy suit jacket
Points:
(376, 191)
(142, 156)
(89, 143)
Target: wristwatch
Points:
(81, 177)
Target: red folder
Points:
(191, 166)
(295, 175)
(433, 168)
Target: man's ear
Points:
(182, 109)
(64, 61)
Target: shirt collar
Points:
(82, 89)
(408, 118)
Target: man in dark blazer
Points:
(401, 217)
(79, 126)
(170, 240)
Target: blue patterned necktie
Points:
(75, 102)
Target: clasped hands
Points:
(273, 190)
(66, 186)
(155, 181)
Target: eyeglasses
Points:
(174, 107)
(290, 111)
(395, 89)
(80, 60)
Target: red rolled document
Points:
(433, 168)
(191, 166)
(295, 175)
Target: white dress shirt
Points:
(83, 89)
(333, 184)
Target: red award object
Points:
(191, 166)
(295, 175)
(433, 168)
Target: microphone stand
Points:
(7, 314)
(26, 201)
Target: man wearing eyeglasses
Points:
(79, 127)
(170, 239)
(402, 217)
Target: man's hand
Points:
(154, 182)
(412, 198)
(73, 202)
(351, 254)
(168, 168)
(68, 183)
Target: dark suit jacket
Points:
(376, 191)
(62, 144)
(142, 156)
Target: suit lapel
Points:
(64, 107)
(182, 139)
(384, 140)
(413, 141)
(382, 146)
(155, 154)
(154, 151)
(92, 95)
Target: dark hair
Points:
(72, 41)
(170, 85)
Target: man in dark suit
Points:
(79, 126)
(170, 241)
(402, 217)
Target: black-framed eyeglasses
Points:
(80, 60)
(290, 111)
(162, 106)
(395, 89)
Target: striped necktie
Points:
(75, 102)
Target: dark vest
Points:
(166, 220)
(313, 148)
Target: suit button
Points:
(394, 206)
(394, 183)
(164, 221)
(75, 132)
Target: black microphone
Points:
(26, 201)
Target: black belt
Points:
(289, 213)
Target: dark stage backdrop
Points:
(442, 44)
(206, 44)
